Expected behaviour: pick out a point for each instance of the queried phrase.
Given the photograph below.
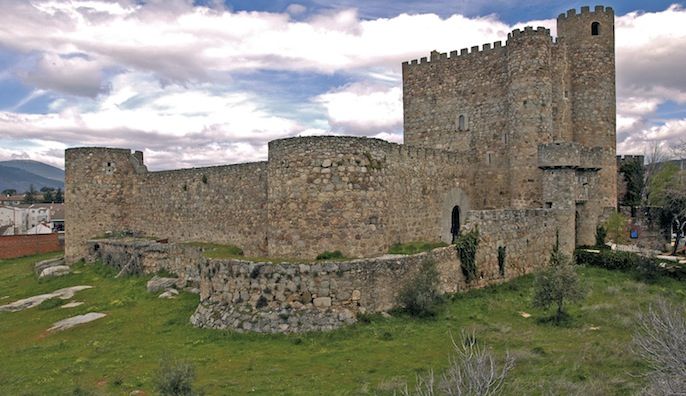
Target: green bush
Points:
(335, 255)
(557, 284)
(175, 378)
(600, 235)
(51, 303)
(617, 228)
(419, 297)
(414, 247)
(643, 268)
(466, 245)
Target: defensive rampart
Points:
(258, 296)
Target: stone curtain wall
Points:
(528, 236)
(110, 190)
(220, 204)
(12, 246)
(360, 195)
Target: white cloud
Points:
(363, 108)
(207, 126)
(157, 75)
(296, 9)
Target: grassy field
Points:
(122, 351)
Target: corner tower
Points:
(588, 38)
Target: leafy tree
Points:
(667, 190)
(46, 189)
(660, 184)
(59, 197)
(634, 176)
(557, 284)
(47, 196)
(30, 196)
(616, 226)
(9, 191)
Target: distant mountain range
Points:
(21, 174)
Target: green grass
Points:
(327, 255)
(122, 351)
(217, 251)
(414, 247)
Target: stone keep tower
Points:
(588, 39)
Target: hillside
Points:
(121, 353)
(37, 168)
(21, 180)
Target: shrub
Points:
(466, 245)
(616, 226)
(600, 235)
(175, 378)
(419, 297)
(646, 269)
(557, 284)
(335, 255)
(661, 342)
(473, 371)
(51, 303)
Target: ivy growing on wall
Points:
(501, 260)
(466, 246)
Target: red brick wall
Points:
(25, 245)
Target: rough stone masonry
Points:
(502, 137)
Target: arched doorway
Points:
(455, 223)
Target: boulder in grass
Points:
(42, 265)
(52, 272)
(75, 321)
(170, 293)
(158, 283)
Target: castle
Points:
(516, 141)
(525, 125)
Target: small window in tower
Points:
(595, 28)
(461, 124)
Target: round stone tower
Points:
(529, 105)
(588, 38)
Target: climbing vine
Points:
(466, 245)
(501, 260)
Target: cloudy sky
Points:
(195, 83)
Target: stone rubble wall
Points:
(140, 256)
(296, 297)
(292, 297)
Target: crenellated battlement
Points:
(462, 54)
(529, 31)
(484, 49)
(586, 11)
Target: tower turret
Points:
(588, 38)
(529, 104)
